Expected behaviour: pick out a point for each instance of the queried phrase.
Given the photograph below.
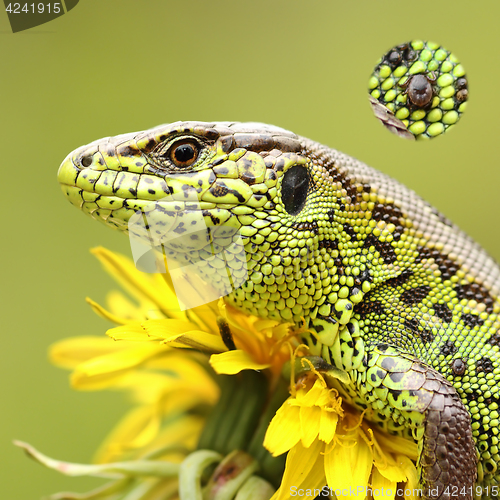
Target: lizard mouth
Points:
(168, 228)
(173, 202)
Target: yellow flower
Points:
(259, 343)
(165, 359)
(329, 444)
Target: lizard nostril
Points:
(86, 160)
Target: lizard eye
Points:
(294, 189)
(184, 153)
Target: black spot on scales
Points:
(484, 365)
(328, 244)
(472, 320)
(395, 394)
(370, 307)
(396, 376)
(397, 281)
(415, 295)
(180, 228)
(446, 266)
(149, 146)
(390, 214)
(494, 340)
(349, 230)
(443, 312)
(384, 248)
(388, 363)
(476, 291)
(448, 348)
(126, 151)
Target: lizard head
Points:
(196, 188)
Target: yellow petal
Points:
(396, 444)
(121, 306)
(69, 353)
(195, 339)
(328, 426)
(390, 469)
(349, 467)
(310, 418)
(183, 397)
(317, 395)
(267, 325)
(145, 387)
(103, 313)
(179, 433)
(103, 371)
(140, 428)
(304, 470)
(411, 485)
(132, 331)
(284, 430)
(135, 430)
(149, 290)
(165, 328)
(383, 487)
(181, 365)
(232, 362)
(205, 316)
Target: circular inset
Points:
(418, 90)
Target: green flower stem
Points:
(152, 489)
(103, 492)
(255, 389)
(240, 420)
(271, 467)
(255, 488)
(113, 470)
(228, 426)
(235, 416)
(227, 386)
(229, 476)
(191, 471)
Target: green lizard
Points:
(395, 294)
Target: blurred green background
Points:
(108, 68)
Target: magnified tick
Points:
(419, 89)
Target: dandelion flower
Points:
(213, 416)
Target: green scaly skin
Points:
(394, 293)
(389, 97)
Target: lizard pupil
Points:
(294, 189)
(184, 154)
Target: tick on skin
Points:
(419, 89)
